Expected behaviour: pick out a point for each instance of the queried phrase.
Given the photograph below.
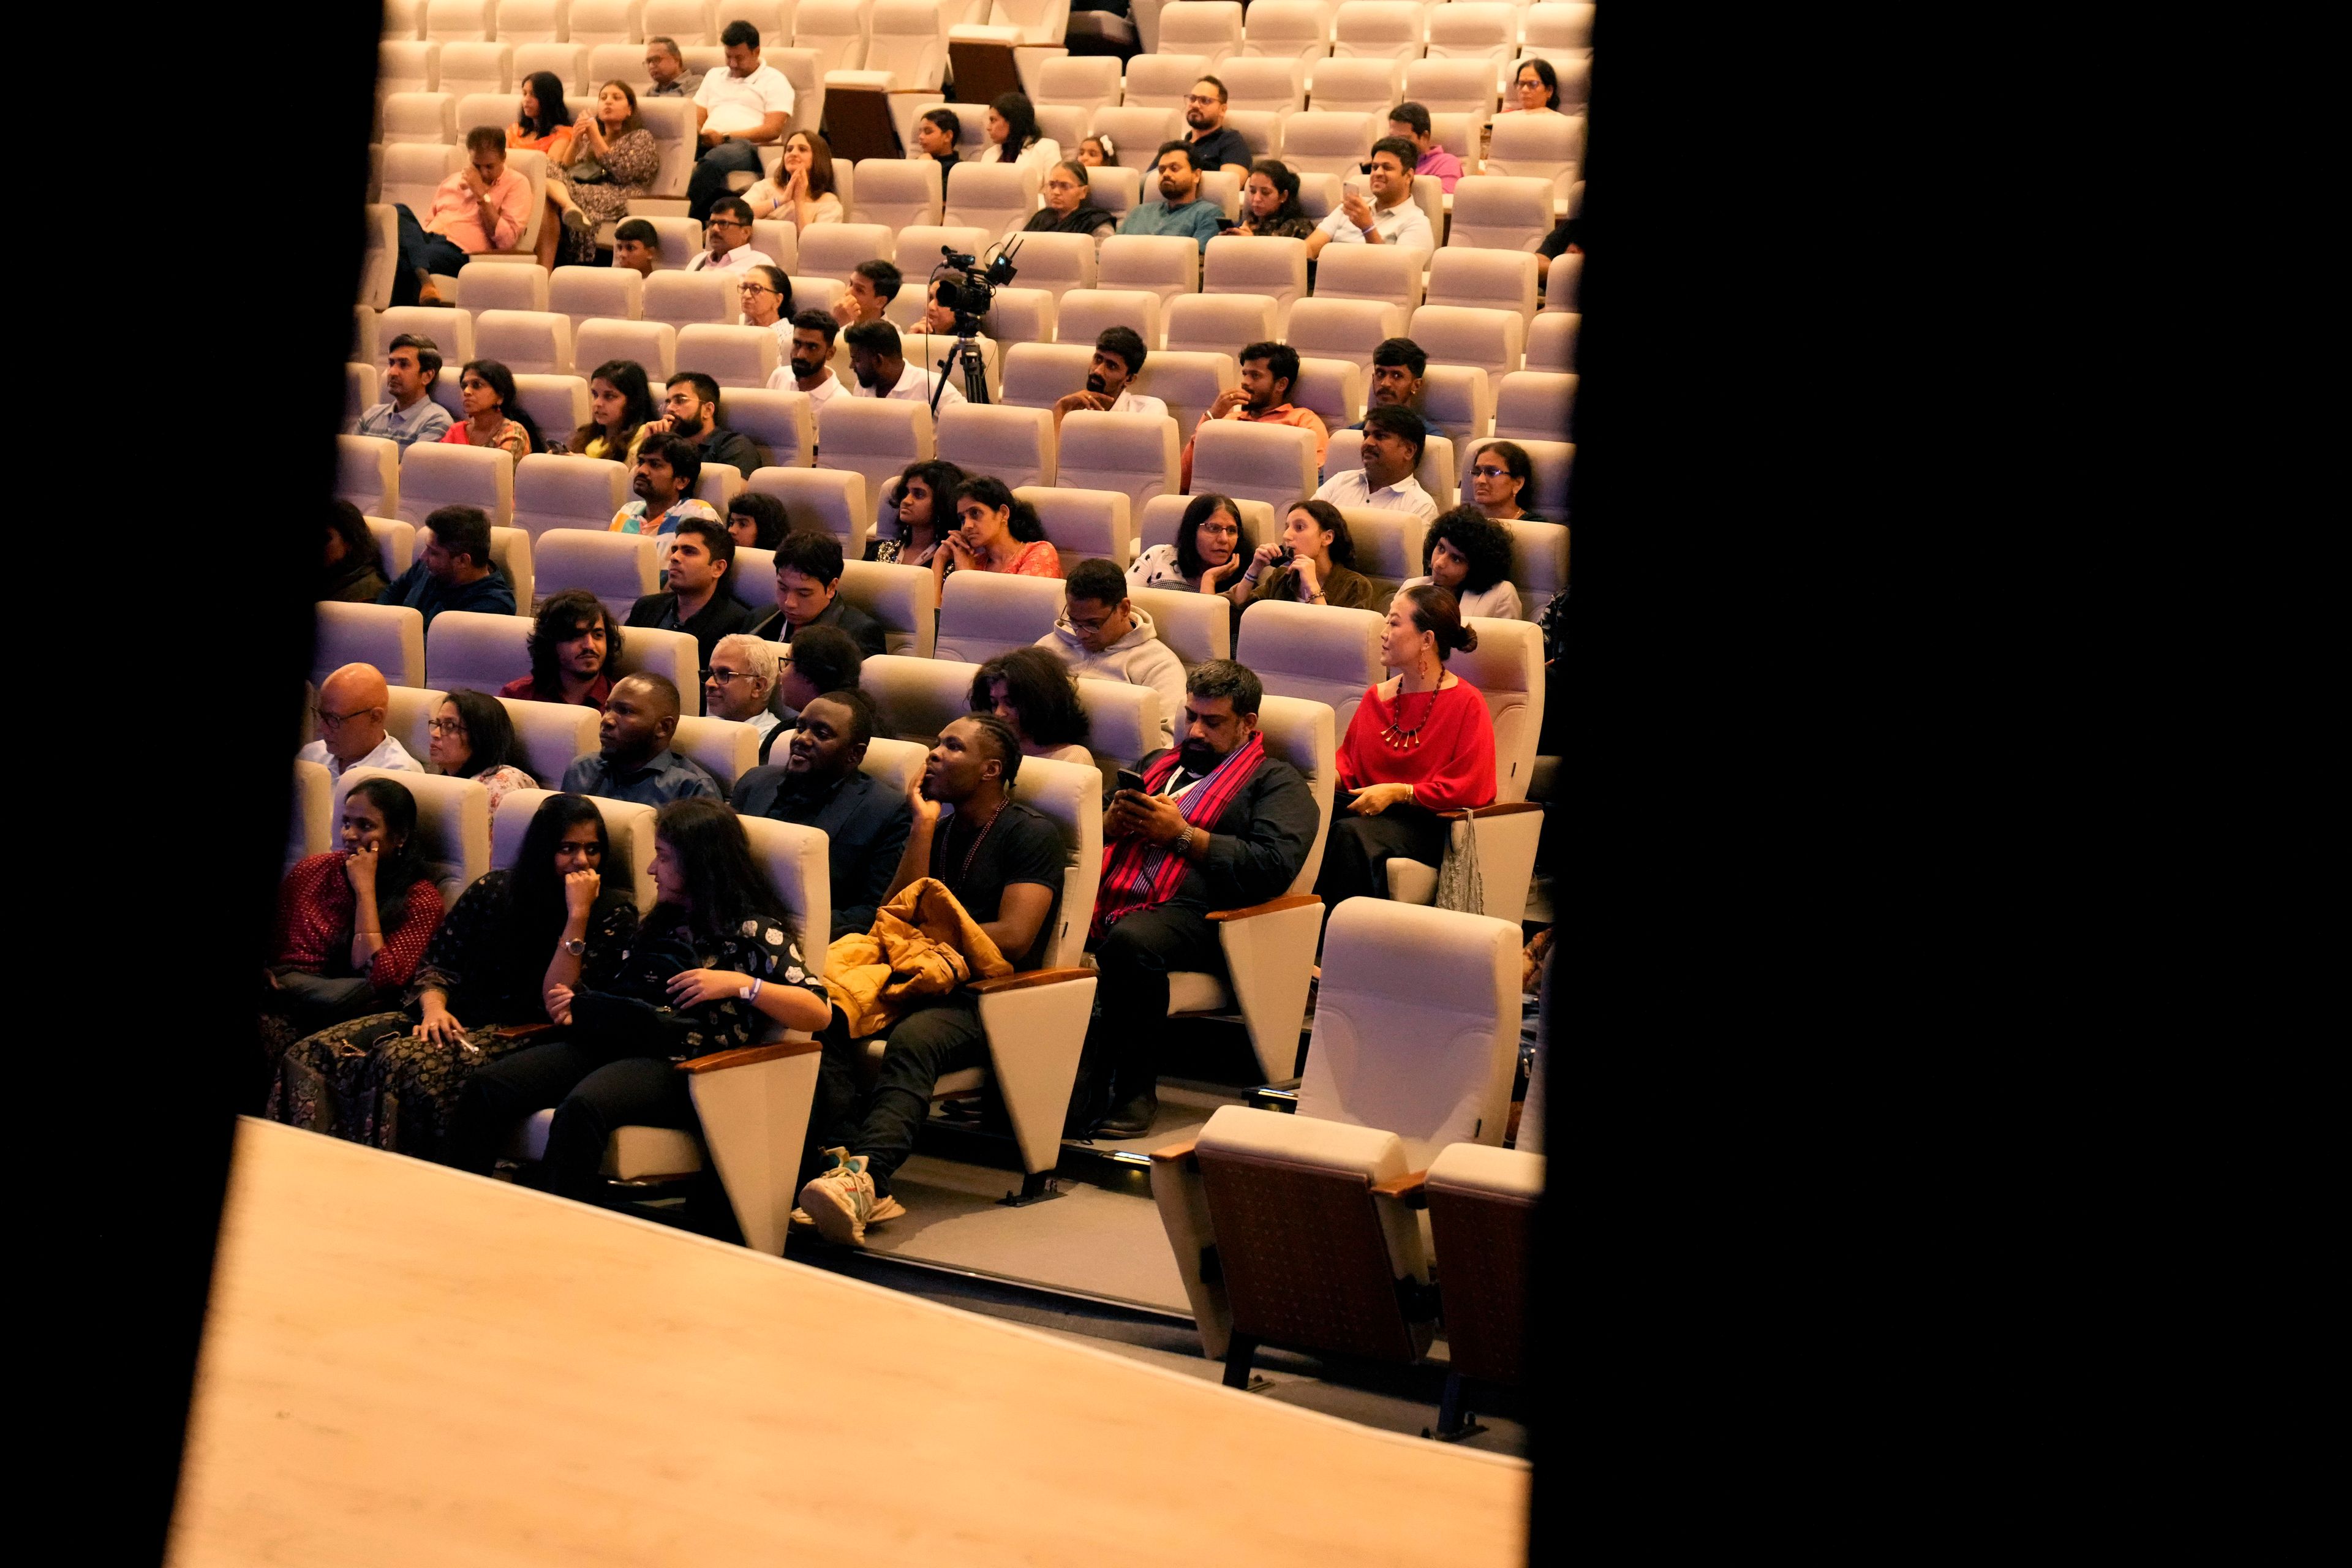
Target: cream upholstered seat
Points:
(408, 717)
(780, 421)
(1188, 381)
(751, 579)
(1298, 30)
(834, 249)
(905, 51)
(873, 437)
(568, 61)
(1501, 212)
(1219, 323)
(1551, 24)
(552, 735)
(537, 342)
(1552, 461)
(727, 747)
(533, 21)
(688, 21)
(918, 698)
(610, 60)
(452, 824)
(827, 500)
(681, 238)
(1123, 724)
(901, 597)
(1082, 313)
(671, 121)
(1452, 86)
(1547, 147)
(403, 18)
(1490, 339)
(652, 344)
(1133, 453)
(1508, 669)
(1539, 563)
(1537, 403)
(1196, 628)
(1084, 525)
(731, 356)
(388, 637)
(1348, 329)
(1211, 29)
(780, 241)
(1563, 282)
(428, 119)
(407, 64)
(685, 298)
(915, 246)
(412, 172)
(1387, 547)
(481, 289)
(998, 198)
(396, 543)
(310, 825)
(1160, 80)
(1377, 272)
(1457, 401)
(1038, 375)
(618, 568)
(469, 650)
(983, 614)
(567, 492)
(1484, 30)
(1551, 340)
(1274, 268)
(1314, 652)
(1369, 86)
(1139, 130)
(367, 473)
(1499, 280)
(452, 329)
(1272, 463)
(1264, 84)
(471, 66)
(559, 403)
(1083, 82)
(1333, 388)
(453, 21)
(1482, 1217)
(1326, 142)
(1056, 262)
(650, 651)
(1167, 265)
(1379, 29)
(510, 553)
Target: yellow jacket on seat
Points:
(922, 944)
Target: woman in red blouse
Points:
(997, 531)
(351, 923)
(1421, 742)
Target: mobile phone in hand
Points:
(1129, 778)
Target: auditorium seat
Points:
(584, 292)
(1318, 653)
(409, 173)
(1466, 87)
(1382, 273)
(1259, 129)
(1195, 627)
(1038, 375)
(1298, 1230)
(1379, 29)
(1084, 82)
(688, 21)
(1116, 188)
(408, 717)
(388, 637)
(1508, 669)
(1161, 80)
(1057, 261)
(460, 21)
(824, 500)
(1552, 461)
(1166, 265)
(1333, 388)
(618, 568)
(1388, 548)
(1550, 24)
(1473, 30)
(688, 299)
(503, 288)
(1268, 84)
(1123, 725)
(751, 578)
(1221, 323)
(915, 246)
(1272, 463)
(1134, 453)
(535, 342)
(733, 357)
(510, 553)
(360, 391)
(1457, 401)
(674, 654)
(1482, 1215)
(1538, 146)
(781, 422)
(1535, 404)
(927, 349)
(568, 61)
(396, 543)
(471, 66)
(915, 698)
(902, 598)
(1016, 445)
(467, 650)
(719, 484)
(380, 256)
(418, 118)
(533, 21)
(452, 329)
(1273, 269)
(1020, 315)
(1539, 563)
(452, 824)
(403, 19)
(1369, 86)
(1563, 281)
(436, 474)
(780, 242)
(1501, 212)
(1084, 525)
(1484, 279)
(1081, 315)
(1188, 382)
(367, 473)
(1212, 28)
(727, 747)
(311, 825)
(1323, 142)
(1492, 341)
(653, 344)
(983, 614)
(1345, 330)
(552, 735)
(621, 61)
(993, 196)
(814, 293)
(671, 121)
(1139, 133)
(567, 492)
(834, 249)
(1298, 30)
(875, 436)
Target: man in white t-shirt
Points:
(729, 230)
(351, 713)
(1391, 217)
(1395, 438)
(810, 368)
(736, 111)
(1118, 356)
(879, 363)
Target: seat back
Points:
(898, 193)
(452, 330)
(685, 299)
(472, 67)
(901, 597)
(1482, 1224)
(1552, 461)
(396, 543)
(1016, 445)
(983, 614)
(1082, 313)
(568, 61)
(1138, 131)
(1296, 30)
(1058, 261)
(1537, 403)
(998, 198)
(1347, 84)
(628, 828)
(1324, 141)
(1416, 1026)
(1196, 628)
(1378, 272)
(1562, 283)
(1217, 323)
(1548, 147)
(529, 343)
(406, 65)
(510, 553)
(1310, 651)
(874, 437)
(652, 344)
(680, 237)
(1038, 375)
(1379, 30)
(904, 39)
(481, 289)
(733, 357)
(824, 500)
(1508, 669)
(311, 825)
(794, 857)
(1490, 339)
(618, 568)
(686, 21)
(1333, 388)
(1303, 734)
(418, 118)
(1456, 400)
(1276, 269)
(1550, 24)
(727, 747)
(1272, 463)
(1501, 212)
(918, 698)
(674, 654)
(1211, 29)
(1160, 80)
(671, 121)
(834, 249)
(567, 492)
(1133, 453)
(1539, 563)
(388, 637)
(411, 173)
(1387, 547)
(1499, 280)
(1457, 84)
(367, 473)
(452, 824)
(1167, 265)
(1124, 724)
(453, 21)
(1264, 85)
(552, 735)
(408, 717)
(467, 650)
(893, 765)
(1069, 796)
(1551, 340)
(781, 422)
(1188, 382)
(1349, 329)
(1083, 82)
(1084, 525)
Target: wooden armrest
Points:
(1409, 1188)
(1506, 808)
(1271, 906)
(1176, 1151)
(1023, 981)
(520, 1031)
(750, 1056)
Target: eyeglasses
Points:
(727, 223)
(447, 727)
(724, 675)
(329, 720)
(1481, 471)
(754, 288)
(1196, 97)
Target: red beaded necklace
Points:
(1399, 737)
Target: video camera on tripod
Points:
(966, 288)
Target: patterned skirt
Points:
(371, 1081)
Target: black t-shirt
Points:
(1022, 844)
(1219, 147)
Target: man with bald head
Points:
(636, 764)
(350, 712)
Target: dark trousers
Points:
(711, 167)
(593, 1093)
(1356, 856)
(418, 250)
(881, 1125)
(1133, 960)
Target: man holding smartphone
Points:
(1390, 216)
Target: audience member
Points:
(1269, 372)
(1395, 438)
(1502, 475)
(1097, 151)
(1218, 824)
(691, 412)
(1119, 359)
(1206, 554)
(663, 479)
(408, 414)
(996, 532)
(1013, 137)
(1314, 564)
(392, 1078)
(819, 785)
(453, 569)
(1270, 208)
(613, 159)
(1469, 556)
(1070, 206)
(808, 593)
(767, 295)
(740, 682)
(803, 192)
(1180, 210)
(470, 736)
(1536, 87)
(351, 565)
(810, 368)
(1421, 742)
(636, 245)
(713, 964)
(923, 500)
(620, 407)
(757, 521)
(1215, 145)
(1389, 215)
(495, 415)
(1002, 862)
(1037, 696)
(697, 597)
(573, 644)
(727, 233)
(878, 361)
(543, 125)
(1102, 634)
(872, 286)
(350, 712)
(1566, 239)
(483, 207)
(1409, 121)
(736, 111)
(821, 659)
(635, 762)
(1399, 365)
(666, 68)
(935, 134)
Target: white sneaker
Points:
(841, 1202)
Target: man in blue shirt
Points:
(636, 762)
(454, 569)
(1180, 209)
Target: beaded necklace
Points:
(1398, 737)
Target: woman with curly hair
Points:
(1033, 689)
(1468, 554)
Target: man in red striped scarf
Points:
(1218, 824)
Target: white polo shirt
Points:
(735, 260)
(915, 387)
(739, 103)
(1138, 403)
(828, 386)
(389, 755)
(1352, 490)
(1404, 226)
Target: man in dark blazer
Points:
(697, 601)
(865, 823)
(808, 592)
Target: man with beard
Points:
(663, 479)
(810, 368)
(1180, 209)
(820, 786)
(1269, 371)
(690, 412)
(1119, 359)
(879, 364)
(633, 761)
(1215, 145)
(1218, 824)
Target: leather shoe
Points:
(1133, 1119)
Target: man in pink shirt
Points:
(1410, 122)
(482, 206)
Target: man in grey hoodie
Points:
(1101, 634)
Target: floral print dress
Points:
(757, 948)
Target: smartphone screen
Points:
(1129, 778)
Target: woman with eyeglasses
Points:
(470, 736)
(482, 993)
(1206, 554)
(1468, 554)
(1536, 85)
(494, 413)
(766, 293)
(1270, 208)
(923, 503)
(803, 191)
(1013, 136)
(1501, 476)
(620, 405)
(613, 157)
(1070, 206)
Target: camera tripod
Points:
(976, 365)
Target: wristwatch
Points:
(1184, 842)
(575, 946)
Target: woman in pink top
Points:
(494, 414)
(998, 531)
(1421, 742)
